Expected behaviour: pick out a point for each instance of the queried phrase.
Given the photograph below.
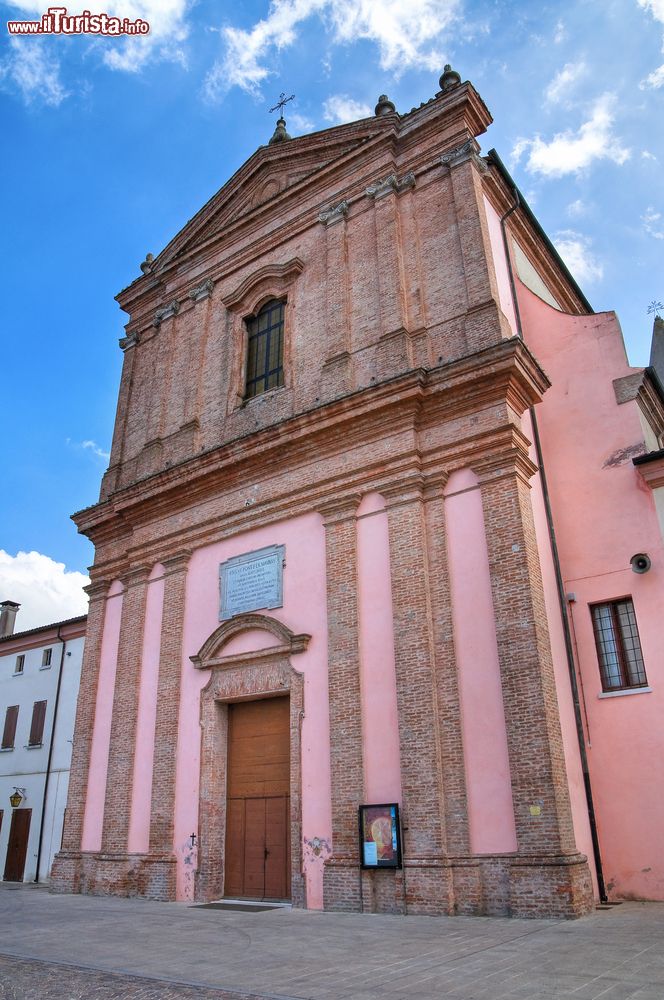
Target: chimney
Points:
(8, 611)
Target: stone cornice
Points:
(504, 374)
(468, 150)
(202, 291)
(136, 576)
(336, 213)
(166, 312)
(129, 341)
(339, 508)
(391, 185)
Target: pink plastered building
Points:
(365, 629)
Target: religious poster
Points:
(380, 836)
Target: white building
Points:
(40, 671)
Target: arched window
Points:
(265, 349)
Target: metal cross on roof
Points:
(280, 103)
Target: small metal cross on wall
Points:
(280, 103)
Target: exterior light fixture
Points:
(16, 798)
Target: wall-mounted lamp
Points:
(17, 797)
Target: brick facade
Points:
(400, 368)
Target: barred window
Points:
(618, 646)
(265, 349)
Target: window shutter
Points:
(37, 725)
(9, 732)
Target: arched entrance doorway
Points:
(250, 802)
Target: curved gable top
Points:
(211, 652)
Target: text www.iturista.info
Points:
(56, 21)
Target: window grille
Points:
(618, 645)
(265, 349)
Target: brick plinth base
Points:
(147, 875)
(482, 885)
(341, 885)
(551, 887)
(429, 886)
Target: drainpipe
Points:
(559, 580)
(50, 752)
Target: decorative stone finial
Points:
(146, 266)
(384, 106)
(280, 133)
(449, 80)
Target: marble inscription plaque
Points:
(252, 581)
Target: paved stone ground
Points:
(27, 979)
(80, 947)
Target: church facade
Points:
(329, 655)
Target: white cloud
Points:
(653, 223)
(654, 80)
(33, 71)
(44, 589)
(576, 209)
(563, 82)
(654, 7)
(647, 155)
(90, 446)
(572, 152)
(340, 108)
(407, 32)
(168, 30)
(299, 123)
(560, 33)
(576, 250)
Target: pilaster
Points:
(168, 704)
(485, 323)
(65, 872)
(341, 875)
(542, 809)
(336, 372)
(457, 838)
(125, 708)
(428, 885)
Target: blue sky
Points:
(112, 145)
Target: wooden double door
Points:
(257, 863)
(17, 848)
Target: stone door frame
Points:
(251, 676)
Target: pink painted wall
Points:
(577, 790)
(500, 264)
(93, 818)
(603, 514)
(380, 725)
(141, 792)
(304, 610)
(489, 789)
